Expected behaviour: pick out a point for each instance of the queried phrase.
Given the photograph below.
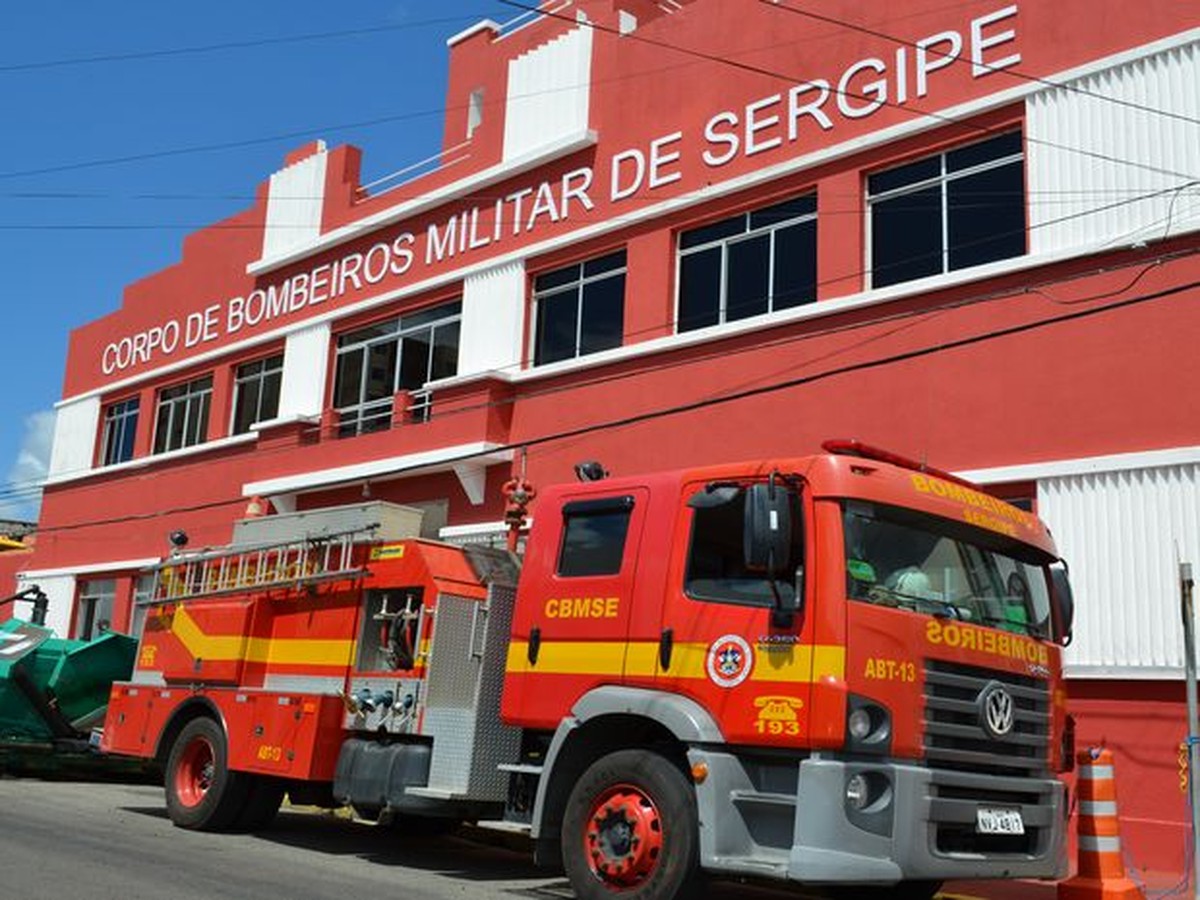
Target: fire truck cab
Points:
(841, 668)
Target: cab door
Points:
(571, 627)
(723, 643)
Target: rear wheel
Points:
(202, 793)
(630, 830)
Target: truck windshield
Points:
(911, 560)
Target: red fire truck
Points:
(835, 669)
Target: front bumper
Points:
(926, 830)
(922, 827)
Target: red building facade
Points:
(733, 230)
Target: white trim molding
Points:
(115, 566)
(444, 459)
(1090, 465)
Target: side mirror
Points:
(1064, 601)
(767, 540)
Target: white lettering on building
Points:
(763, 125)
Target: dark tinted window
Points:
(958, 209)
(749, 264)
(580, 309)
(716, 568)
(120, 431)
(256, 392)
(594, 535)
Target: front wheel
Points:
(202, 793)
(630, 830)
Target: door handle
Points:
(666, 643)
(535, 645)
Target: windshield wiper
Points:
(942, 608)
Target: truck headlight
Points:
(859, 724)
(868, 727)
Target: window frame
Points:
(734, 591)
(126, 420)
(576, 510)
(262, 376)
(944, 178)
(391, 331)
(748, 233)
(557, 293)
(191, 394)
(90, 603)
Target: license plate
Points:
(999, 821)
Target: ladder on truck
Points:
(286, 564)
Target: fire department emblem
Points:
(730, 660)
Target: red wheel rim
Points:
(623, 838)
(194, 774)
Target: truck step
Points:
(521, 768)
(763, 798)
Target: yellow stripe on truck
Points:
(799, 663)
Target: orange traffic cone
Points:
(1101, 869)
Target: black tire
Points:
(264, 795)
(630, 830)
(202, 793)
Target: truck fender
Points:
(685, 719)
(189, 709)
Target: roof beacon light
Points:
(857, 448)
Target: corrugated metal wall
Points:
(294, 205)
(492, 320)
(1103, 171)
(1123, 533)
(75, 432)
(548, 92)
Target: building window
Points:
(947, 212)
(143, 594)
(183, 415)
(256, 392)
(749, 264)
(94, 612)
(120, 431)
(580, 309)
(474, 112)
(594, 534)
(401, 354)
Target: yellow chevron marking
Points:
(283, 651)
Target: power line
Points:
(1053, 198)
(714, 401)
(903, 315)
(907, 108)
(1010, 70)
(228, 45)
(601, 379)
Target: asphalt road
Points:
(62, 840)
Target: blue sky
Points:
(207, 98)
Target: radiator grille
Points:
(955, 737)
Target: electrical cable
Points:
(228, 45)
(579, 383)
(707, 403)
(1010, 70)
(907, 108)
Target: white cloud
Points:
(21, 494)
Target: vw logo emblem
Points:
(996, 710)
